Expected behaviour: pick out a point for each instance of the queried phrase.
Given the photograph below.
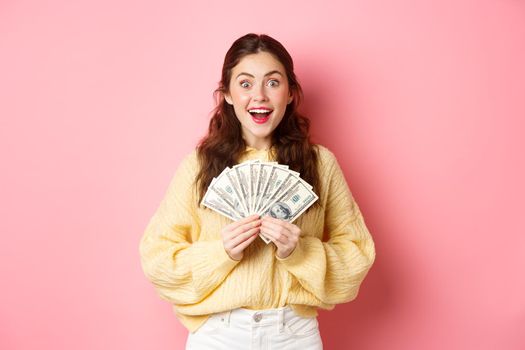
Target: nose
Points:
(259, 93)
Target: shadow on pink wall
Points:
(352, 325)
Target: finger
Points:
(241, 222)
(270, 235)
(236, 241)
(268, 218)
(243, 245)
(288, 225)
(246, 227)
(278, 244)
(229, 232)
(277, 236)
(278, 228)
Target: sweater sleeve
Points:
(182, 271)
(333, 270)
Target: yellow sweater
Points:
(183, 256)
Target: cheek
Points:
(240, 99)
(236, 94)
(282, 97)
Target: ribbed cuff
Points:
(295, 257)
(212, 264)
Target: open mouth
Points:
(260, 115)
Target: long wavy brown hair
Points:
(224, 144)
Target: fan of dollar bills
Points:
(264, 188)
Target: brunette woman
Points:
(229, 288)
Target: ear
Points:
(290, 98)
(228, 98)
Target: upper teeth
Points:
(259, 111)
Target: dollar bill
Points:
(292, 202)
(281, 187)
(254, 179)
(242, 171)
(228, 192)
(242, 180)
(275, 178)
(264, 172)
(264, 188)
(234, 181)
(214, 201)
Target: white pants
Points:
(245, 329)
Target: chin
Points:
(262, 135)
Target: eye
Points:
(273, 83)
(245, 84)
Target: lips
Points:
(261, 118)
(260, 115)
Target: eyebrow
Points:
(250, 75)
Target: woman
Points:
(229, 288)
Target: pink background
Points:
(423, 102)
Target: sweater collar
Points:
(264, 155)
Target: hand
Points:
(239, 234)
(283, 234)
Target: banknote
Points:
(254, 180)
(242, 171)
(264, 172)
(234, 181)
(276, 176)
(291, 203)
(228, 192)
(214, 201)
(264, 188)
(281, 186)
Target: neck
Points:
(259, 144)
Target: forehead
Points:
(258, 65)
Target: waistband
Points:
(254, 318)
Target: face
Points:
(259, 93)
(279, 212)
